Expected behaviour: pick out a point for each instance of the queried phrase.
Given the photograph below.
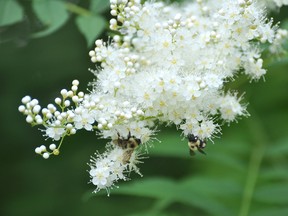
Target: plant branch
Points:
(259, 139)
(77, 9)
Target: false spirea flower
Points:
(167, 64)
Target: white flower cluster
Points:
(57, 123)
(167, 64)
(111, 166)
(280, 38)
(273, 4)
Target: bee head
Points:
(192, 138)
(133, 142)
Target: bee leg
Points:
(192, 153)
(129, 135)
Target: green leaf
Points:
(98, 6)
(279, 148)
(10, 12)
(151, 187)
(90, 27)
(53, 14)
(161, 188)
(226, 160)
(171, 145)
(271, 211)
(274, 173)
(275, 193)
(212, 187)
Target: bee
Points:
(195, 143)
(129, 144)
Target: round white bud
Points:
(92, 104)
(21, 108)
(177, 17)
(117, 38)
(26, 99)
(103, 122)
(94, 59)
(38, 150)
(74, 88)
(29, 119)
(75, 82)
(45, 111)
(117, 84)
(51, 107)
(34, 102)
(113, 12)
(46, 155)
(64, 92)
(73, 131)
(42, 148)
(52, 146)
(126, 103)
(58, 100)
(133, 109)
(78, 110)
(59, 117)
(81, 94)
(92, 53)
(39, 121)
(98, 43)
(57, 113)
(67, 103)
(140, 112)
(57, 122)
(69, 126)
(49, 115)
(70, 93)
(75, 99)
(99, 58)
(64, 114)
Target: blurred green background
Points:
(244, 173)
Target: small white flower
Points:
(55, 133)
(230, 108)
(84, 120)
(100, 176)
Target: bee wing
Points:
(201, 151)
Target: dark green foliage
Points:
(44, 17)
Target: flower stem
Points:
(77, 9)
(259, 139)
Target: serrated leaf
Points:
(90, 27)
(53, 15)
(98, 6)
(10, 12)
(274, 193)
